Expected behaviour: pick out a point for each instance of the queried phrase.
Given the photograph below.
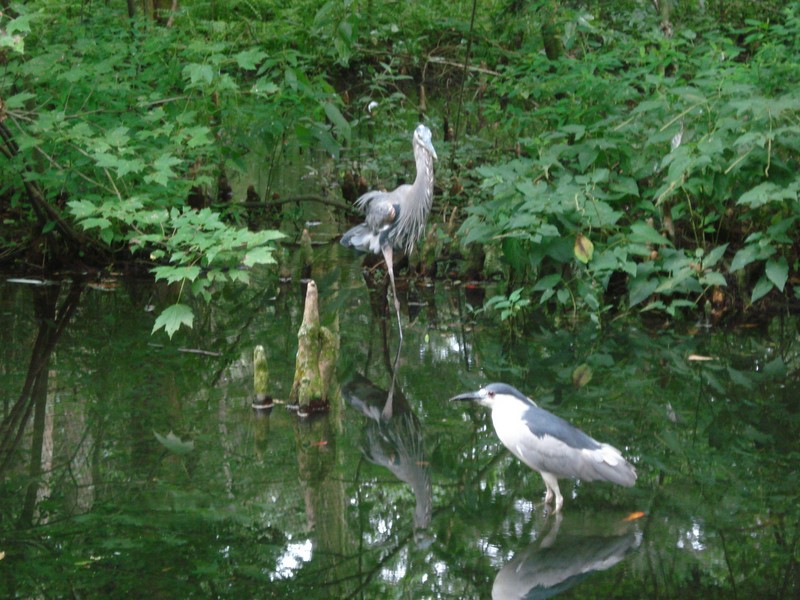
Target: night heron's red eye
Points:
(491, 394)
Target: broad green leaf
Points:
(163, 169)
(105, 160)
(625, 185)
(712, 258)
(767, 192)
(640, 289)
(118, 137)
(269, 235)
(740, 378)
(198, 136)
(173, 317)
(259, 256)
(250, 59)
(713, 278)
(750, 253)
(338, 120)
(777, 271)
(675, 305)
(18, 100)
(82, 209)
(95, 222)
(135, 165)
(174, 274)
(21, 24)
(547, 282)
(744, 256)
(26, 142)
(644, 233)
(174, 444)
(198, 75)
(265, 87)
(761, 289)
(577, 130)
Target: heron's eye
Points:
(491, 394)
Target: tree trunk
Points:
(551, 31)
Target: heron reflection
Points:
(392, 438)
(562, 560)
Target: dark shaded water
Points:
(99, 500)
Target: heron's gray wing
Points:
(370, 235)
(380, 214)
(362, 202)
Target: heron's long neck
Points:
(414, 213)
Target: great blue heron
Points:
(547, 443)
(396, 219)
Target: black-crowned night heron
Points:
(547, 443)
(396, 219)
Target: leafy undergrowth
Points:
(621, 164)
(654, 173)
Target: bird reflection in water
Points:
(392, 438)
(560, 561)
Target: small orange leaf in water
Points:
(322, 443)
(633, 516)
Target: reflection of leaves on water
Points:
(174, 444)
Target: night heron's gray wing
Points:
(559, 448)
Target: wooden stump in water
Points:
(261, 379)
(317, 350)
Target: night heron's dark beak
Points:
(466, 396)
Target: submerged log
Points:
(317, 351)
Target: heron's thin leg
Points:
(552, 491)
(386, 413)
(387, 257)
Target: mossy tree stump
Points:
(317, 351)
(261, 379)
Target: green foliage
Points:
(638, 155)
(509, 307)
(121, 122)
(665, 152)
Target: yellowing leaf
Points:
(581, 375)
(584, 248)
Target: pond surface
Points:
(134, 466)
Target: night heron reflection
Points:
(557, 562)
(396, 219)
(547, 443)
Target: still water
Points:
(134, 466)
